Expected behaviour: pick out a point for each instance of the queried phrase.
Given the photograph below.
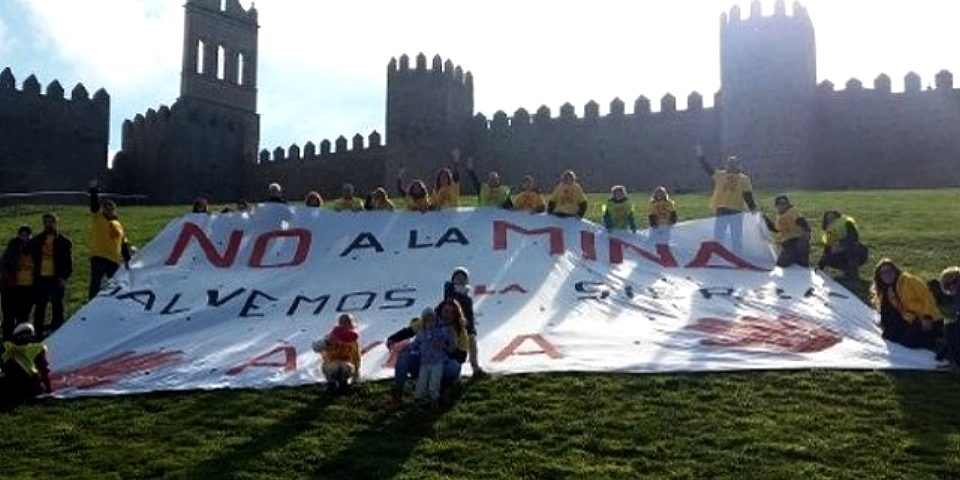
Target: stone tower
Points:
(207, 142)
(428, 112)
(768, 87)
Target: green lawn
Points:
(807, 424)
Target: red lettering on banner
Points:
(289, 362)
(500, 228)
(588, 245)
(709, 249)
(514, 288)
(109, 370)
(481, 289)
(787, 334)
(192, 230)
(303, 237)
(664, 256)
(546, 348)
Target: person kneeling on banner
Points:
(408, 359)
(908, 312)
(841, 245)
(24, 369)
(950, 286)
(340, 350)
(791, 234)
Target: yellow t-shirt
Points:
(787, 228)
(352, 205)
(106, 238)
(530, 201)
(567, 198)
(728, 190)
(46, 258)
(25, 270)
(448, 196)
(418, 204)
(661, 209)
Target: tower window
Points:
(221, 62)
(240, 65)
(223, 5)
(200, 53)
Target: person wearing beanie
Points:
(24, 369)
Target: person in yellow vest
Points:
(108, 242)
(446, 189)
(618, 211)
(52, 266)
(492, 193)
(340, 350)
(24, 369)
(662, 216)
(908, 312)
(791, 233)
(732, 195)
(16, 281)
(568, 198)
(313, 200)
(530, 199)
(415, 195)
(378, 200)
(348, 201)
(841, 244)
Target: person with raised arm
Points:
(108, 242)
(492, 192)
(791, 233)
(414, 195)
(732, 195)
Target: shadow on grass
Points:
(933, 425)
(237, 458)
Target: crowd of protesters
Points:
(35, 269)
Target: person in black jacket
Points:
(16, 281)
(52, 254)
(458, 289)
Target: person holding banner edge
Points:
(732, 191)
(908, 312)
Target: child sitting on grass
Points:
(435, 344)
(340, 350)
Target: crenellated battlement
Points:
(735, 20)
(53, 94)
(229, 8)
(438, 68)
(328, 150)
(912, 84)
(591, 113)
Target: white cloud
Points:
(4, 38)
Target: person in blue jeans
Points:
(434, 343)
(408, 359)
(732, 195)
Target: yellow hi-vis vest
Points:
(24, 355)
(620, 213)
(493, 196)
(837, 230)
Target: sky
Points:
(323, 63)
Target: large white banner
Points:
(235, 300)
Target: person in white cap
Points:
(24, 369)
(458, 288)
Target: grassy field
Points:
(807, 424)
